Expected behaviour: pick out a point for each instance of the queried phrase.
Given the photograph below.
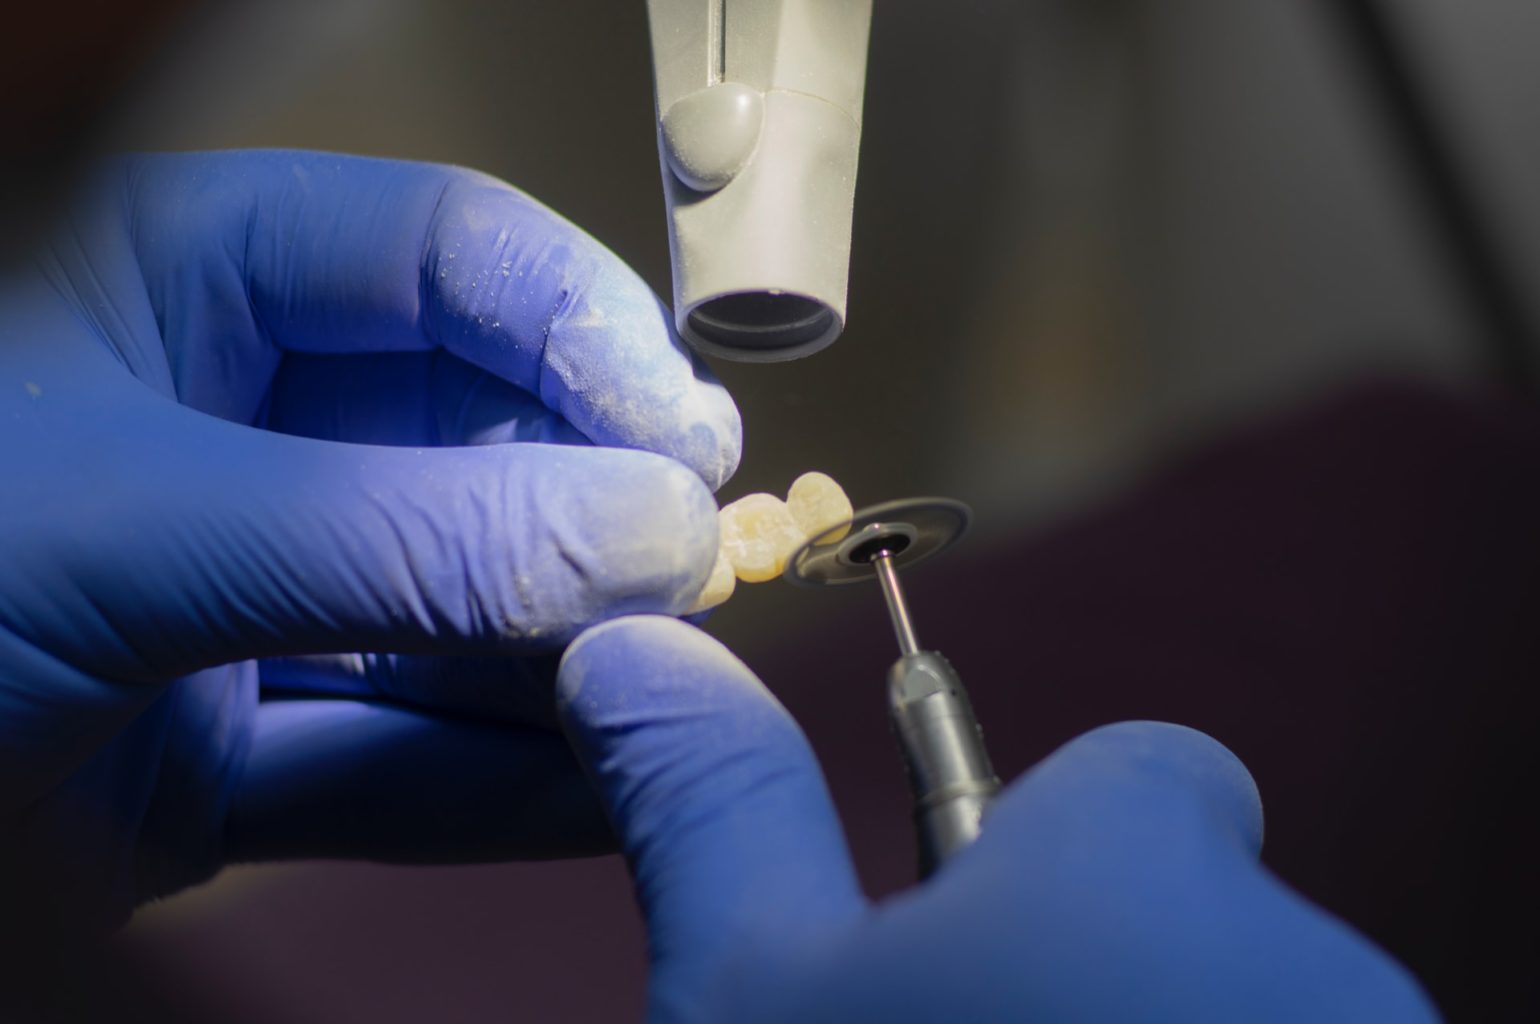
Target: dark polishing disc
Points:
(910, 530)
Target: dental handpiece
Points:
(950, 777)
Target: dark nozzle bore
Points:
(762, 321)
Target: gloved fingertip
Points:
(720, 805)
(715, 444)
(639, 660)
(1144, 766)
(656, 535)
(712, 445)
(614, 337)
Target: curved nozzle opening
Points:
(766, 326)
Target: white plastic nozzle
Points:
(759, 124)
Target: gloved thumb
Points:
(719, 804)
(236, 543)
(1130, 857)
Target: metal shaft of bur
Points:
(898, 611)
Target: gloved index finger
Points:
(327, 254)
(500, 266)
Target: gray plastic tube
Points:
(759, 124)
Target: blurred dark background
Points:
(1216, 321)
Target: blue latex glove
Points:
(168, 571)
(1117, 881)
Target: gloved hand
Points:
(1116, 881)
(223, 398)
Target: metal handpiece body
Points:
(940, 739)
(943, 747)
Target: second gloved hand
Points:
(264, 409)
(1117, 881)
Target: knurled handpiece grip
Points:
(950, 775)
